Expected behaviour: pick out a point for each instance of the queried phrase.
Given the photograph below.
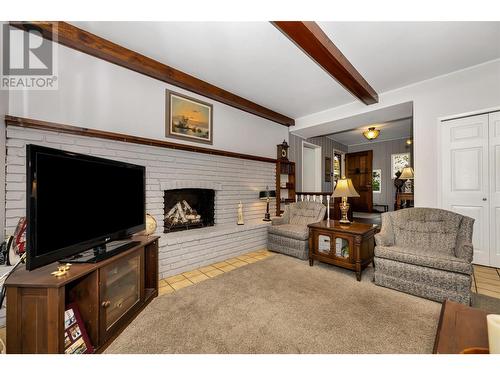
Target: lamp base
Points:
(267, 216)
(344, 209)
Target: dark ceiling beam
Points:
(83, 41)
(309, 37)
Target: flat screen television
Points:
(76, 202)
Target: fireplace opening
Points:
(188, 209)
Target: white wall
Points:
(99, 95)
(472, 89)
(4, 107)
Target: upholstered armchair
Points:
(289, 233)
(426, 252)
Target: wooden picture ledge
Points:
(76, 130)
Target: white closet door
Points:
(465, 176)
(494, 135)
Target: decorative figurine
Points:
(240, 214)
(61, 270)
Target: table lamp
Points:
(266, 195)
(407, 174)
(344, 190)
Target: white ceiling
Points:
(388, 131)
(254, 60)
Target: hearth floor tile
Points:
(181, 284)
(220, 264)
(239, 263)
(243, 257)
(227, 268)
(198, 278)
(175, 279)
(213, 273)
(176, 282)
(206, 269)
(192, 273)
(261, 256)
(233, 260)
(165, 290)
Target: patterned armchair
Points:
(289, 234)
(426, 252)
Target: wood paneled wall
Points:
(382, 152)
(327, 147)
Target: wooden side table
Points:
(348, 246)
(460, 327)
(400, 197)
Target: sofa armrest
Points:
(278, 220)
(465, 251)
(382, 239)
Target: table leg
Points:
(357, 256)
(311, 245)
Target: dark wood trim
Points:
(309, 37)
(83, 41)
(76, 130)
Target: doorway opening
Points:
(311, 167)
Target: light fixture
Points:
(371, 133)
(409, 141)
(344, 189)
(267, 195)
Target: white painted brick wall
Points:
(238, 179)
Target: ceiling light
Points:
(409, 141)
(371, 133)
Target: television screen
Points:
(76, 202)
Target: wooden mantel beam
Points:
(83, 41)
(309, 37)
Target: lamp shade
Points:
(345, 188)
(407, 174)
(264, 194)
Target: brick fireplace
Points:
(230, 179)
(188, 209)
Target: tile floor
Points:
(176, 282)
(486, 281)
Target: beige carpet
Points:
(281, 305)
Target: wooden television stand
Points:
(109, 295)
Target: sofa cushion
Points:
(438, 234)
(306, 214)
(298, 232)
(424, 258)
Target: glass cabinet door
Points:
(121, 289)
(334, 246)
(342, 248)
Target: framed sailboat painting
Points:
(188, 119)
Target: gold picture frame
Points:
(188, 119)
